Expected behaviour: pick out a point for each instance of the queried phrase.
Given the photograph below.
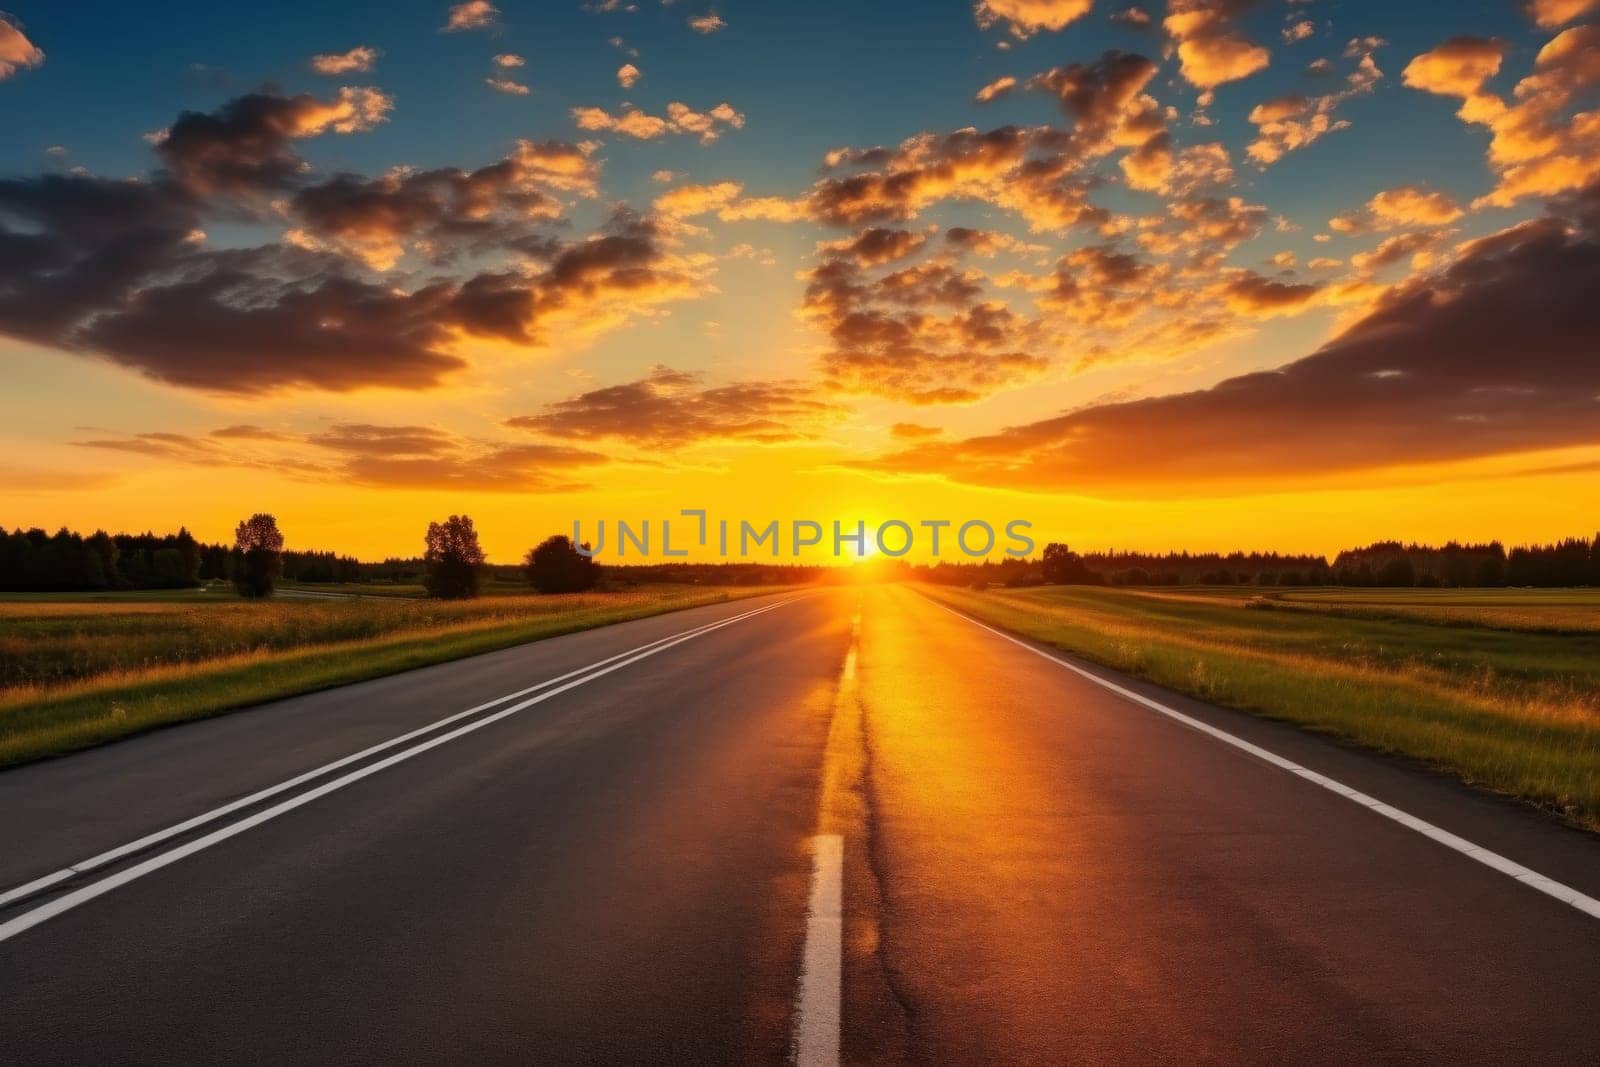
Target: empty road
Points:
(847, 824)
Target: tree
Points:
(558, 567)
(453, 561)
(258, 548)
(1062, 566)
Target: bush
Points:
(555, 566)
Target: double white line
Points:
(546, 689)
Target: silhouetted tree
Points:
(453, 559)
(555, 566)
(258, 552)
(1062, 566)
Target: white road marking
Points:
(139, 845)
(816, 1030)
(29, 919)
(815, 1040)
(1527, 876)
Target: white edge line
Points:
(816, 1037)
(29, 919)
(1493, 860)
(112, 855)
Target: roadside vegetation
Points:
(75, 673)
(1500, 688)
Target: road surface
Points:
(848, 824)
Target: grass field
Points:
(1500, 688)
(76, 672)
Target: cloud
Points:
(1492, 355)
(443, 211)
(688, 201)
(1210, 51)
(1412, 205)
(509, 61)
(921, 334)
(680, 119)
(1024, 18)
(359, 60)
(1394, 249)
(628, 75)
(985, 243)
(1296, 32)
(1458, 67)
(996, 89)
(376, 456)
(119, 269)
(1289, 123)
(1538, 146)
(16, 51)
(471, 15)
(673, 409)
(710, 23)
(1248, 293)
(876, 246)
(1552, 14)
(1136, 18)
(509, 86)
(1031, 171)
(246, 145)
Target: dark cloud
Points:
(878, 245)
(122, 269)
(1493, 355)
(671, 409)
(246, 146)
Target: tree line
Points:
(1571, 562)
(453, 565)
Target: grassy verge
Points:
(102, 672)
(1510, 704)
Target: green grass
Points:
(1500, 688)
(75, 673)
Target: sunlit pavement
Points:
(854, 826)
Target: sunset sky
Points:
(1201, 274)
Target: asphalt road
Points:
(854, 825)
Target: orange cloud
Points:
(1459, 67)
(680, 119)
(1537, 148)
(471, 15)
(996, 89)
(1210, 51)
(1551, 14)
(360, 59)
(1024, 18)
(1411, 205)
(1289, 123)
(16, 51)
(688, 201)
(628, 75)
